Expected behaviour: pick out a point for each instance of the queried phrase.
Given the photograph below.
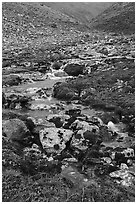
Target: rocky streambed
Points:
(74, 120)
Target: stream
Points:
(49, 103)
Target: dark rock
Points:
(11, 80)
(91, 136)
(74, 69)
(56, 65)
(67, 125)
(64, 92)
(58, 120)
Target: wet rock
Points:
(17, 132)
(11, 80)
(74, 69)
(54, 139)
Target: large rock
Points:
(83, 125)
(64, 92)
(85, 136)
(17, 132)
(74, 69)
(11, 80)
(54, 139)
(123, 177)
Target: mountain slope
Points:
(81, 11)
(120, 17)
(30, 24)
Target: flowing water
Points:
(47, 81)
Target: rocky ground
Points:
(68, 127)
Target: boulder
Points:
(17, 132)
(64, 92)
(83, 139)
(83, 125)
(54, 139)
(85, 136)
(74, 69)
(11, 80)
(56, 65)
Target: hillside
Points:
(35, 25)
(120, 17)
(82, 11)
